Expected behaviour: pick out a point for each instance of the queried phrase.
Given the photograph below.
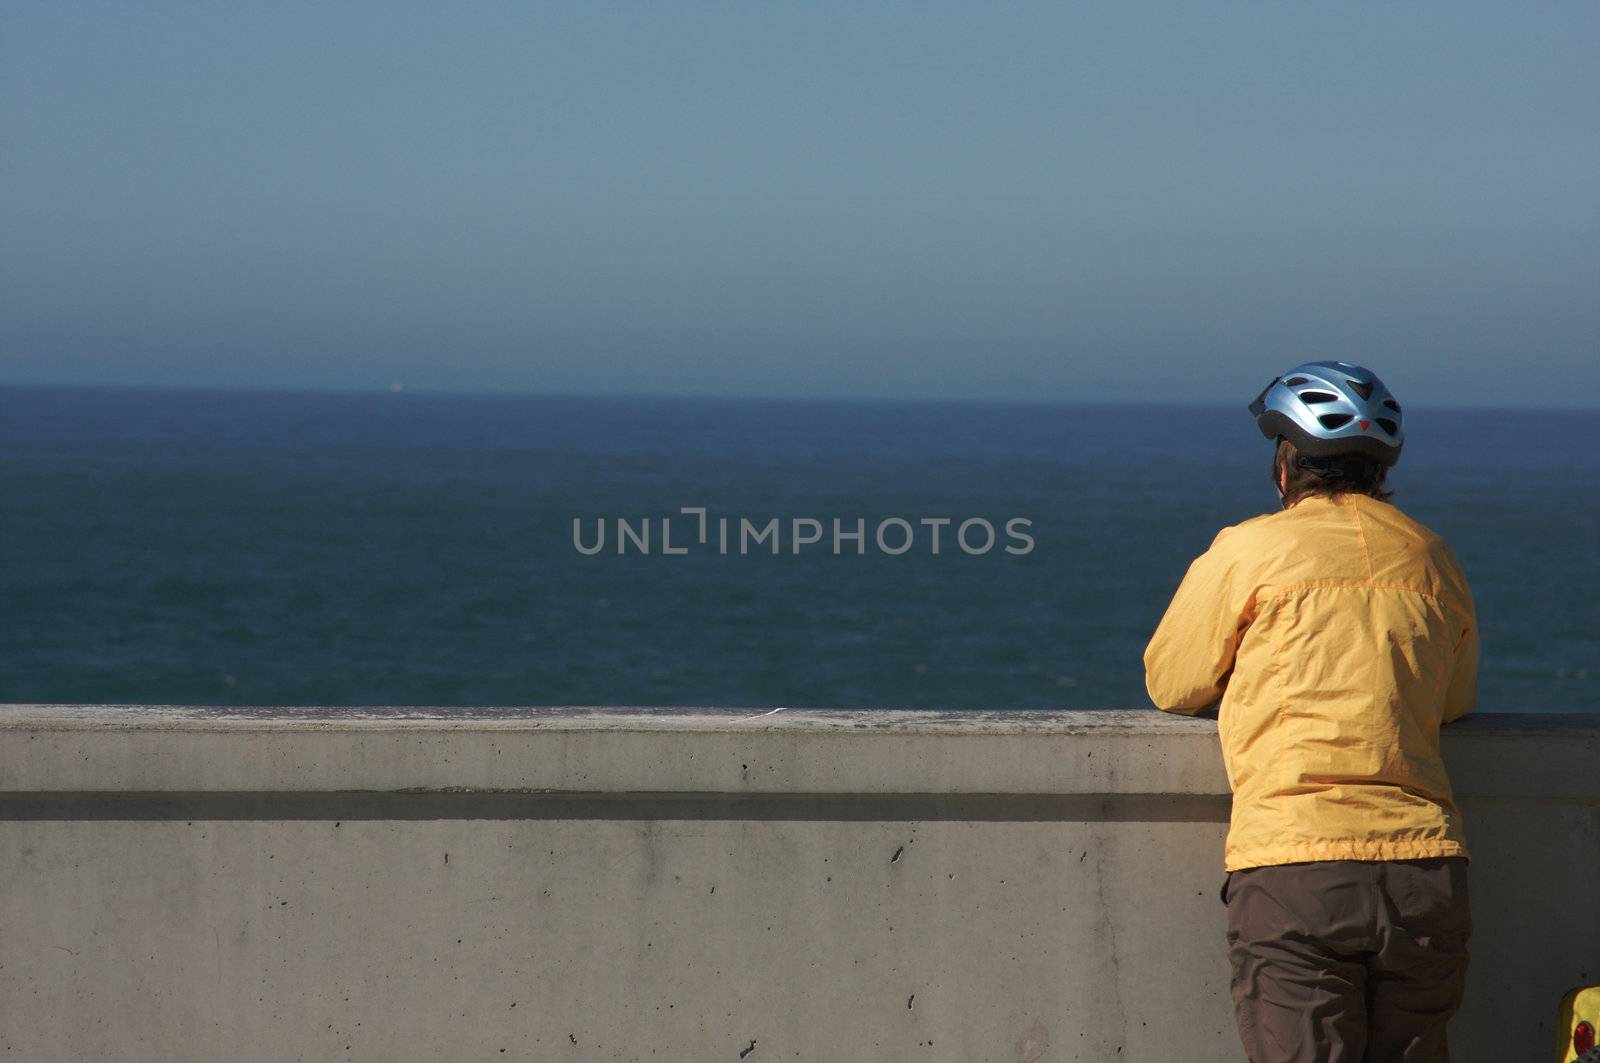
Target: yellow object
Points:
(1580, 1005)
(1338, 634)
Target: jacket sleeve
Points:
(1462, 689)
(1462, 692)
(1187, 663)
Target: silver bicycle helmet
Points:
(1332, 409)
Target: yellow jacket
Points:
(1338, 634)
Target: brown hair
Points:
(1352, 474)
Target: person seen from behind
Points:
(1333, 638)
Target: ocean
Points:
(300, 548)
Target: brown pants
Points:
(1346, 961)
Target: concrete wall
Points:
(567, 884)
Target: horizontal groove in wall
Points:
(445, 805)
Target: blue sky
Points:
(1060, 201)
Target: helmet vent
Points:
(1393, 405)
(1311, 398)
(1334, 420)
(1295, 381)
(1362, 388)
(1388, 425)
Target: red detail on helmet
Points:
(1364, 425)
(1583, 1038)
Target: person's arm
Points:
(1187, 663)
(1462, 692)
(1462, 689)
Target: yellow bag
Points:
(1579, 1026)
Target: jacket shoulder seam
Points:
(1290, 588)
(1361, 532)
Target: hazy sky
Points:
(1054, 200)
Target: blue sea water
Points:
(253, 548)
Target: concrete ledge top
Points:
(65, 749)
(588, 718)
(647, 718)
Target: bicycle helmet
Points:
(1332, 409)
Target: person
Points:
(1333, 639)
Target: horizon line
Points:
(399, 390)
